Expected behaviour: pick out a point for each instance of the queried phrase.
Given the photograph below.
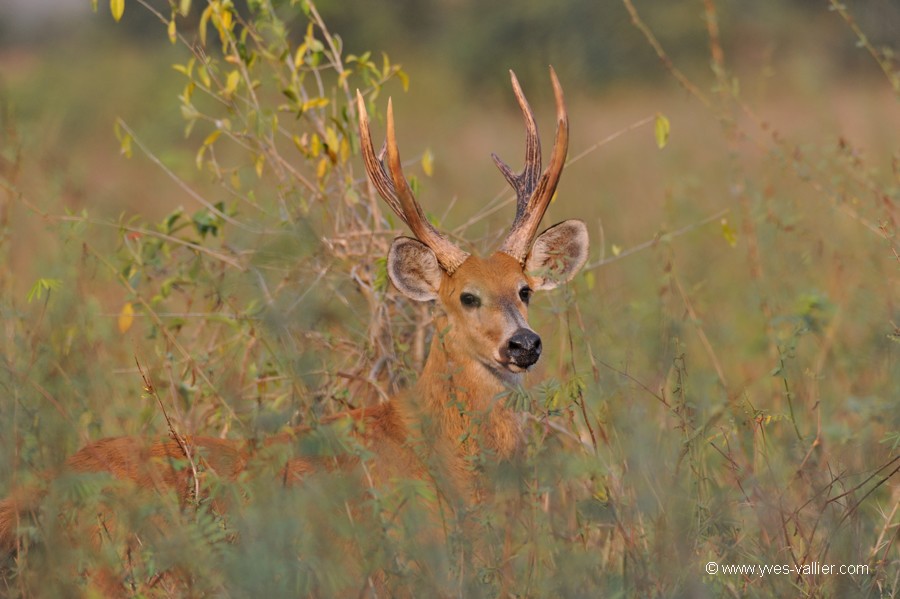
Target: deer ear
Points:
(414, 269)
(557, 254)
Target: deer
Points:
(482, 347)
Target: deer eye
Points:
(470, 300)
(525, 294)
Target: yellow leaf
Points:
(232, 82)
(126, 317)
(314, 103)
(211, 138)
(204, 19)
(260, 163)
(204, 76)
(322, 169)
(126, 145)
(661, 129)
(616, 250)
(331, 139)
(184, 7)
(428, 163)
(173, 37)
(404, 80)
(299, 55)
(345, 150)
(186, 68)
(200, 154)
(590, 280)
(225, 19)
(117, 8)
(729, 233)
(124, 140)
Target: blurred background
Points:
(67, 73)
(797, 61)
(738, 313)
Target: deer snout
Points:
(524, 348)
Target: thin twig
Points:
(181, 182)
(704, 340)
(159, 323)
(659, 238)
(176, 436)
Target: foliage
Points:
(728, 396)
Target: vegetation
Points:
(720, 385)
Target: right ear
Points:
(414, 269)
(558, 254)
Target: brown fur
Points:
(414, 435)
(481, 348)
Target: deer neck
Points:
(460, 403)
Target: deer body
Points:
(481, 348)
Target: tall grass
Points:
(719, 386)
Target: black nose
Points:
(524, 348)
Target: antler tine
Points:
(525, 182)
(416, 220)
(394, 188)
(525, 226)
(375, 165)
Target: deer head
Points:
(484, 301)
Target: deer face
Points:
(485, 301)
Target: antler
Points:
(394, 188)
(533, 194)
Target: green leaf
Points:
(42, 285)
(381, 275)
(170, 221)
(590, 280)
(124, 139)
(117, 8)
(206, 222)
(661, 130)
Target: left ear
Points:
(557, 254)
